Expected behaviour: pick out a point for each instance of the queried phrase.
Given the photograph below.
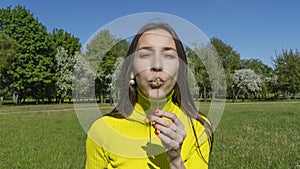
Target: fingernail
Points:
(155, 111)
(148, 117)
(156, 133)
(153, 125)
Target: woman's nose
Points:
(157, 64)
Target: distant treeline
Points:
(43, 66)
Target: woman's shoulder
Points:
(105, 119)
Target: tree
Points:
(30, 71)
(263, 70)
(61, 39)
(208, 70)
(69, 42)
(83, 79)
(230, 58)
(64, 73)
(287, 69)
(257, 66)
(95, 52)
(102, 52)
(7, 52)
(199, 71)
(271, 85)
(246, 81)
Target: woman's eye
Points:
(146, 55)
(169, 56)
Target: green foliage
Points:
(7, 51)
(230, 58)
(207, 68)
(33, 65)
(196, 64)
(30, 68)
(258, 66)
(61, 38)
(103, 52)
(287, 68)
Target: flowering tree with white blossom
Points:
(246, 81)
(64, 66)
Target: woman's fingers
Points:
(171, 129)
(168, 142)
(170, 116)
(176, 135)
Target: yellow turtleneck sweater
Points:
(131, 143)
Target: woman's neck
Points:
(150, 104)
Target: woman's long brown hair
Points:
(181, 97)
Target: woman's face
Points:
(156, 58)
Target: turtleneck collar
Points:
(145, 105)
(150, 104)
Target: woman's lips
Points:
(156, 82)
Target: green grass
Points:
(41, 139)
(251, 135)
(258, 135)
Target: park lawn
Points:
(258, 135)
(35, 138)
(252, 135)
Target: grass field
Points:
(253, 135)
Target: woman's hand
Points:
(171, 134)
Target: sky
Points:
(256, 29)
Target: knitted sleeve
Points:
(95, 156)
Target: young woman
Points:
(155, 124)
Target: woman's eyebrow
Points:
(145, 48)
(169, 48)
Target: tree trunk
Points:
(237, 95)
(288, 96)
(204, 93)
(200, 97)
(15, 97)
(1, 100)
(233, 94)
(213, 96)
(244, 96)
(101, 98)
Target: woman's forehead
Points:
(156, 38)
(158, 32)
